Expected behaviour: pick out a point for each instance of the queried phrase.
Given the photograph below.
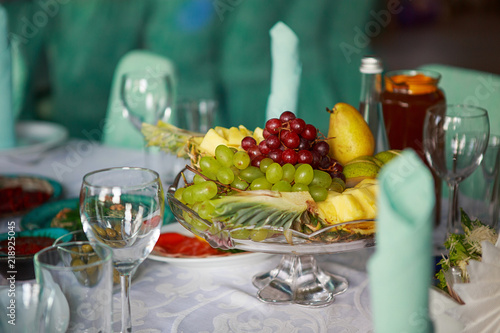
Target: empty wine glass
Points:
(455, 138)
(123, 208)
(147, 97)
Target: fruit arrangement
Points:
(287, 175)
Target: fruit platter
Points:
(285, 189)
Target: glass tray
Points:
(297, 279)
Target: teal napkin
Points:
(7, 128)
(400, 270)
(286, 71)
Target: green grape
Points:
(209, 189)
(178, 193)
(274, 173)
(235, 170)
(288, 172)
(209, 164)
(209, 175)
(261, 183)
(205, 209)
(241, 160)
(188, 195)
(240, 233)
(240, 184)
(282, 186)
(197, 179)
(304, 174)
(225, 175)
(258, 235)
(251, 173)
(198, 224)
(265, 163)
(224, 155)
(298, 187)
(318, 193)
(321, 178)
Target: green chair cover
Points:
(119, 130)
(221, 50)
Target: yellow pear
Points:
(348, 134)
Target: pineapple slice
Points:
(358, 203)
(264, 208)
(211, 140)
(234, 137)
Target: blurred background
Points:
(221, 49)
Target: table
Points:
(168, 298)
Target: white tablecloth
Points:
(168, 298)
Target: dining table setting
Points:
(195, 227)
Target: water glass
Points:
(196, 115)
(80, 275)
(24, 305)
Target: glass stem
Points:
(126, 314)
(453, 214)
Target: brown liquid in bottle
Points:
(405, 100)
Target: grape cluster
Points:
(289, 140)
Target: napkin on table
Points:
(286, 71)
(7, 125)
(481, 311)
(400, 270)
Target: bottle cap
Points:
(371, 65)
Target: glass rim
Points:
(429, 73)
(146, 75)
(481, 111)
(107, 257)
(145, 183)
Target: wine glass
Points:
(147, 97)
(455, 139)
(123, 208)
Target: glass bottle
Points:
(405, 100)
(369, 105)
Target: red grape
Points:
(325, 162)
(276, 155)
(316, 159)
(297, 125)
(253, 152)
(264, 148)
(304, 144)
(283, 134)
(322, 147)
(292, 140)
(248, 142)
(273, 125)
(273, 142)
(309, 132)
(289, 156)
(265, 133)
(256, 161)
(287, 116)
(305, 157)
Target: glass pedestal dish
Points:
(297, 279)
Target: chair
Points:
(119, 131)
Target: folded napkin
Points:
(481, 312)
(7, 126)
(286, 70)
(400, 270)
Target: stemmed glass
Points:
(147, 97)
(455, 139)
(123, 208)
